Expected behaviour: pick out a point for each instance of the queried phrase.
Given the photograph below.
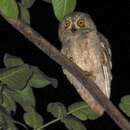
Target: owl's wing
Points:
(106, 65)
(106, 48)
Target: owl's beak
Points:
(73, 29)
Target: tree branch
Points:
(58, 57)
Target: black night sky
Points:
(111, 19)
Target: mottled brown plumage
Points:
(85, 46)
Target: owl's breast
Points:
(85, 55)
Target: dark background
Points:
(111, 19)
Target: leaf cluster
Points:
(15, 10)
(20, 9)
(72, 115)
(16, 82)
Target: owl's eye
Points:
(67, 24)
(81, 23)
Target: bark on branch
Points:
(55, 54)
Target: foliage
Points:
(9, 8)
(82, 111)
(37, 80)
(27, 3)
(125, 105)
(15, 10)
(57, 109)
(20, 9)
(33, 119)
(15, 78)
(63, 7)
(16, 82)
(73, 115)
(72, 123)
(24, 13)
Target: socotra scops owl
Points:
(90, 50)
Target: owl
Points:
(90, 50)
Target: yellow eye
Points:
(67, 23)
(81, 23)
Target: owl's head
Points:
(76, 23)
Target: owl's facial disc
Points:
(76, 24)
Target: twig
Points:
(60, 118)
(49, 123)
(55, 54)
(21, 124)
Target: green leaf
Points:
(28, 96)
(72, 123)
(82, 111)
(8, 102)
(33, 119)
(22, 98)
(15, 78)
(125, 105)
(63, 7)
(126, 99)
(3, 122)
(9, 8)
(12, 61)
(5, 113)
(24, 14)
(1, 94)
(11, 126)
(27, 3)
(57, 109)
(6, 120)
(38, 79)
(1, 98)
